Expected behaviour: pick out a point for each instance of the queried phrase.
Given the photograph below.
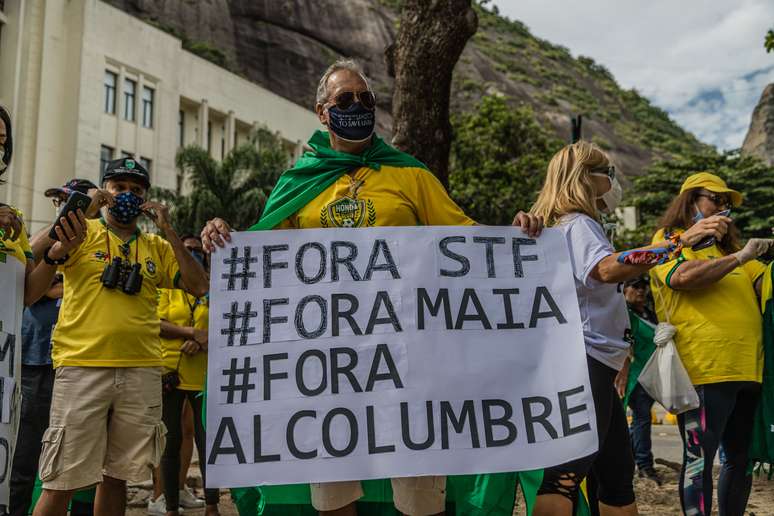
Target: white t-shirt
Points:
(602, 305)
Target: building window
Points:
(147, 107)
(126, 154)
(130, 90)
(110, 92)
(180, 128)
(147, 163)
(105, 155)
(209, 135)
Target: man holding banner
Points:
(353, 179)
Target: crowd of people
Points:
(115, 337)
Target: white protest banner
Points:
(12, 288)
(341, 354)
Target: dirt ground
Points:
(652, 500)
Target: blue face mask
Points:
(198, 256)
(354, 124)
(127, 207)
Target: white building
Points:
(86, 82)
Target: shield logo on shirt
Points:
(150, 266)
(348, 213)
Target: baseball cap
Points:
(126, 167)
(712, 183)
(74, 185)
(635, 282)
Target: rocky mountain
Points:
(759, 141)
(284, 45)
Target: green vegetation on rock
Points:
(653, 191)
(499, 158)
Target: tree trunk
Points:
(431, 38)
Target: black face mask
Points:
(354, 124)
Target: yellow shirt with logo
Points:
(102, 327)
(391, 196)
(719, 328)
(182, 309)
(18, 249)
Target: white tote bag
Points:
(664, 377)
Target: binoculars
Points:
(122, 275)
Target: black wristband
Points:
(50, 261)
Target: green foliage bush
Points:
(652, 192)
(234, 189)
(499, 157)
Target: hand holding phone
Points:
(76, 201)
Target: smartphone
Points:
(76, 201)
(710, 240)
(707, 242)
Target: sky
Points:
(702, 61)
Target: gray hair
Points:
(340, 64)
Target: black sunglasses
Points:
(718, 200)
(345, 99)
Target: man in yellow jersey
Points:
(184, 323)
(709, 295)
(352, 179)
(105, 426)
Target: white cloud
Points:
(697, 59)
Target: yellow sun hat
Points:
(712, 183)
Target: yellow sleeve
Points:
(163, 306)
(433, 204)
(754, 269)
(24, 244)
(170, 269)
(24, 239)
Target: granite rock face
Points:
(285, 45)
(759, 141)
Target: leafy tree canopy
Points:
(498, 160)
(234, 189)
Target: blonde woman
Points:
(580, 185)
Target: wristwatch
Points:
(50, 261)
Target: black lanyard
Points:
(125, 247)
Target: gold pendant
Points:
(354, 187)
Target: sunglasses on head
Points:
(717, 200)
(604, 171)
(344, 100)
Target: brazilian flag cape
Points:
(762, 448)
(318, 169)
(469, 495)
